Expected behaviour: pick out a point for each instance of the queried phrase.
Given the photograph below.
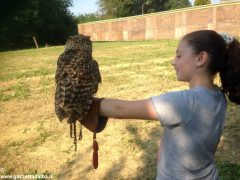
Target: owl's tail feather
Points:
(73, 117)
(61, 114)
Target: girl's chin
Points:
(179, 78)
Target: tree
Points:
(116, 8)
(49, 21)
(17, 19)
(56, 23)
(201, 2)
(88, 17)
(177, 4)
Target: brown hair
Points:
(224, 58)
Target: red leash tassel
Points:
(95, 152)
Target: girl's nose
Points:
(173, 62)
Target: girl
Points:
(193, 119)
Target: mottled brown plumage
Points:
(77, 78)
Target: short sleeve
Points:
(173, 108)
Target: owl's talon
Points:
(80, 133)
(75, 136)
(71, 131)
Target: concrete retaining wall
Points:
(166, 25)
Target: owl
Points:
(77, 78)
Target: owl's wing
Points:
(95, 75)
(65, 90)
(61, 114)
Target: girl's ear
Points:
(202, 59)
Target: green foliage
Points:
(49, 21)
(116, 8)
(173, 4)
(83, 18)
(201, 2)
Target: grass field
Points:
(33, 141)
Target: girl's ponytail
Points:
(230, 72)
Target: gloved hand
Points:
(95, 123)
(92, 120)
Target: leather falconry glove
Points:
(95, 123)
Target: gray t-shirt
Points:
(193, 122)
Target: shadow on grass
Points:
(150, 149)
(72, 169)
(78, 169)
(114, 172)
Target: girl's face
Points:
(184, 62)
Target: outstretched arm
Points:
(124, 109)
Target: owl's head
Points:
(79, 42)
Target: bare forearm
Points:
(127, 109)
(112, 108)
